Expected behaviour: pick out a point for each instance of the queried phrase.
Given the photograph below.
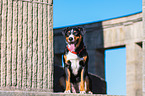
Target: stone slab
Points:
(31, 93)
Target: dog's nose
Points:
(70, 38)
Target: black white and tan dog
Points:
(75, 60)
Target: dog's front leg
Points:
(67, 73)
(83, 74)
(84, 60)
(68, 85)
(82, 84)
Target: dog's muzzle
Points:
(71, 38)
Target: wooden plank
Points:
(14, 44)
(20, 43)
(4, 43)
(35, 45)
(30, 45)
(25, 43)
(9, 43)
(40, 47)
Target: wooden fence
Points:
(26, 38)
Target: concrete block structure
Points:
(127, 31)
(26, 47)
(26, 35)
(143, 43)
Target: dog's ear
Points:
(82, 30)
(64, 31)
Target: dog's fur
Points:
(75, 60)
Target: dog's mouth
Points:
(72, 47)
(71, 42)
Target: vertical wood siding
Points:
(26, 38)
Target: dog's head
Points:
(73, 35)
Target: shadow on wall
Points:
(95, 47)
(94, 43)
(97, 84)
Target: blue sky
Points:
(75, 12)
(115, 65)
(72, 12)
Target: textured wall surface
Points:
(26, 38)
(26, 93)
(143, 85)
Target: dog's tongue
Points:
(72, 47)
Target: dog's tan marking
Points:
(80, 39)
(85, 58)
(67, 39)
(87, 85)
(68, 81)
(76, 37)
(82, 84)
(65, 59)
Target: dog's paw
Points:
(89, 92)
(68, 91)
(82, 92)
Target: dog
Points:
(75, 60)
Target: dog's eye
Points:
(68, 33)
(76, 33)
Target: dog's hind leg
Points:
(88, 85)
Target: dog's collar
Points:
(76, 52)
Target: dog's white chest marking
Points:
(74, 59)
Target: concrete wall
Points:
(26, 40)
(143, 84)
(120, 32)
(128, 32)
